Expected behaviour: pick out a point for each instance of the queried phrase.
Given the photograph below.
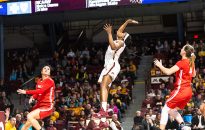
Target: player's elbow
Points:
(113, 47)
(120, 34)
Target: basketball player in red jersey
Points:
(44, 94)
(182, 93)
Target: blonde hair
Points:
(190, 54)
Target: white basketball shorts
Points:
(111, 69)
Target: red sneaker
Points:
(103, 125)
(103, 113)
(100, 114)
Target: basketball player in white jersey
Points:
(112, 66)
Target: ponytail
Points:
(192, 60)
(190, 54)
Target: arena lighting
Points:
(196, 36)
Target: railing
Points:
(147, 82)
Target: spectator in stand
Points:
(125, 97)
(198, 100)
(158, 102)
(138, 119)
(62, 102)
(172, 124)
(18, 120)
(13, 75)
(6, 101)
(23, 121)
(51, 126)
(166, 47)
(147, 103)
(152, 114)
(147, 123)
(115, 109)
(198, 121)
(132, 69)
(157, 121)
(7, 114)
(71, 54)
(87, 111)
(113, 89)
(115, 124)
(85, 53)
(10, 125)
(92, 125)
(151, 93)
(159, 47)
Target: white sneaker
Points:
(186, 128)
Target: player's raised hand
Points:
(108, 28)
(132, 21)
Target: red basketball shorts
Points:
(46, 109)
(179, 97)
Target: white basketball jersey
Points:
(113, 55)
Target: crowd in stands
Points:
(77, 95)
(76, 72)
(77, 92)
(20, 65)
(157, 93)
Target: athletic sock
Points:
(104, 106)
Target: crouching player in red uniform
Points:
(44, 94)
(182, 93)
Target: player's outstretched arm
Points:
(124, 25)
(167, 71)
(108, 29)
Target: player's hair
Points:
(190, 54)
(51, 69)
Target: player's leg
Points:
(27, 125)
(104, 86)
(32, 118)
(164, 117)
(180, 101)
(175, 114)
(170, 104)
